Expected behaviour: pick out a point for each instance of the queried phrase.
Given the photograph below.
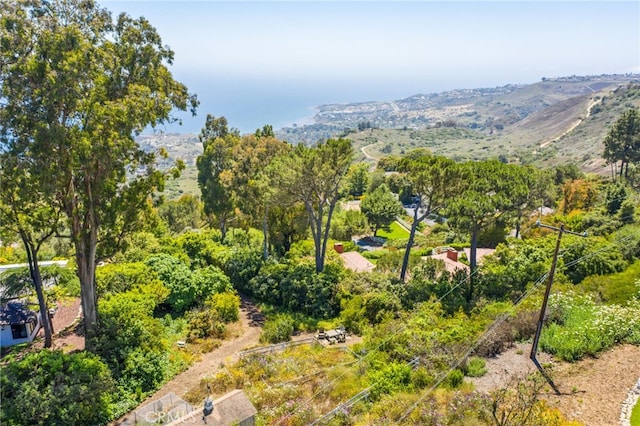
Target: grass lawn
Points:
(396, 232)
(635, 414)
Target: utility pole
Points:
(545, 300)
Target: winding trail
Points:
(247, 334)
(369, 157)
(592, 103)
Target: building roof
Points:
(356, 262)
(230, 409)
(15, 312)
(453, 265)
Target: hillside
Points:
(568, 131)
(551, 122)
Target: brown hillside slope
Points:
(592, 390)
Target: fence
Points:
(277, 347)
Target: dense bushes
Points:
(295, 286)
(53, 388)
(121, 277)
(390, 378)
(177, 277)
(227, 305)
(187, 288)
(277, 329)
(204, 323)
(242, 265)
(130, 334)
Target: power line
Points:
(491, 329)
(369, 353)
(404, 326)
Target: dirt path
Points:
(246, 334)
(592, 103)
(592, 390)
(369, 157)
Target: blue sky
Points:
(381, 50)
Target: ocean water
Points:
(250, 104)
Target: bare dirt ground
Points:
(68, 333)
(592, 390)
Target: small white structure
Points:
(232, 409)
(18, 324)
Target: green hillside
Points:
(548, 123)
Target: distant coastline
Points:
(303, 121)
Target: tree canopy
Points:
(76, 88)
(314, 176)
(622, 143)
(381, 208)
(218, 142)
(429, 178)
(486, 191)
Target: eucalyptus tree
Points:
(431, 179)
(76, 87)
(27, 209)
(314, 176)
(485, 192)
(622, 143)
(214, 169)
(250, 179)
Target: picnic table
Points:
(333, 336)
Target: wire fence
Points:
(277, 347)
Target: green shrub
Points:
(475, 367)
(588, 328)
(420, 378)
(210, 280)
(349, 246)
(242, 265)
(127, 325)
(177, 277)
(295, 286)
(120, 277)
(227, 305)
(144, 370)
(392, 378)
(374, 255)
(204, 323)
(454, 380)
(277, 329)
(425, 251)
(203, 247)
(352, 314)
(53, 388)
(615, 288)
